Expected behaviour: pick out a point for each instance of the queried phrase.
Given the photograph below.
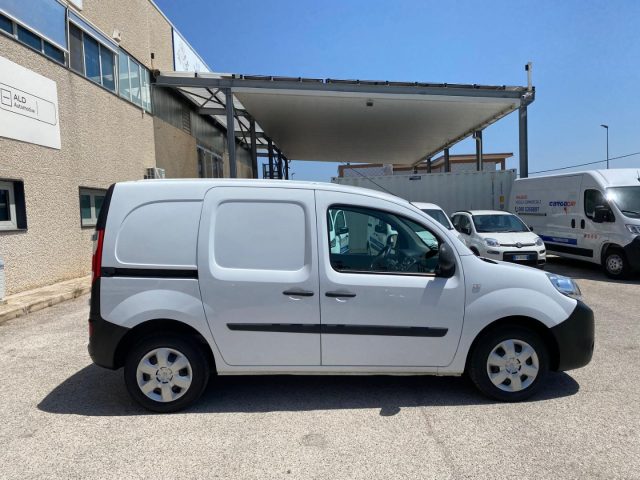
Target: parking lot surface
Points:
(62, 417)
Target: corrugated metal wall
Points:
(451, 191)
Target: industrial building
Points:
(96, 92)
(78, 113)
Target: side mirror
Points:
(602, 213)
(343, 230)
(446, 262)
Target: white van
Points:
(192, 277)
(593, 216)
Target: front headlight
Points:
(565, 285)
(634, 229)
(539, 242)
(491, 242)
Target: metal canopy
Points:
(350, 121)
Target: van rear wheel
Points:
(615, 263)
(166, 373)
(509, 364)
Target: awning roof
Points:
(351, 120)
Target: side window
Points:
(455, 220)
(381, 242)
(592, 199)
(465, 224)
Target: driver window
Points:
(382, 242)
(592, 199)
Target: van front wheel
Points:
(509, 364)
(615, 263)
(165, 373)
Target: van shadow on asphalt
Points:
(94, 391)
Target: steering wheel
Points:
(380, 258)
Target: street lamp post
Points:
(606, 127)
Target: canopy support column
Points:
(523, 141)
(479, 162)
(270, 146)
(280, 175)
(231, 134)
(254, 150)
(429, 165)
(286, 168)
(447, 163)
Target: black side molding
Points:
(275, 327)
(147, 272)
(339, 329)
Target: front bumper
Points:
(575, 338)
(632, 252)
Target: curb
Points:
(48, 301)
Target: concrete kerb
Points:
(33, 300)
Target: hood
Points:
(511, 238)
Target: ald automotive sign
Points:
(28, 106)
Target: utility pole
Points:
(606, 127)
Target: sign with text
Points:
(28, 106)
(185, 59)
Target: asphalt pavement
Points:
(62, 417)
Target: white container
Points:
(451, 191)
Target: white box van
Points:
(192, 277)
(592, 216)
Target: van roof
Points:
(198, 186)
(607, 178)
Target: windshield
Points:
(438, 215)
(498, 223)
(627, 199)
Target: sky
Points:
(585, 54)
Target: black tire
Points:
(200, 371)
(478, 368)
(615, 263)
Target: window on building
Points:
(6, 24)
(209, 163)
(32, 39)
(91, 201)
(91, 58)
(134, 81)
(374, 241)
(12, 208)
(135, 84)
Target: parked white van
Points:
(192, 277)
(592, 216)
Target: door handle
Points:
(582, 223)
(573, 223)
(298, 293)
(340, 294)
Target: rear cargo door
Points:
(257, 264)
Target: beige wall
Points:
(175, 151)
(104, 140)
(142, 27)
